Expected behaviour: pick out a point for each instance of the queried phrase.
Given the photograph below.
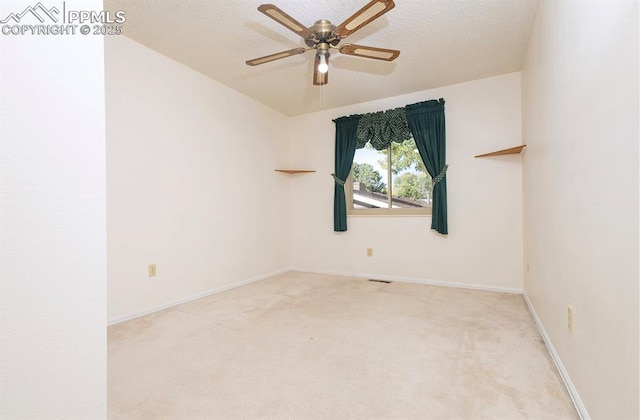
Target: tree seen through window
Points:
(392, 178)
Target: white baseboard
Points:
(573, 392)
(148, 311)
(153, 309)
(413, 280)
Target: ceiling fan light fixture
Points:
(320, 78)
(323, 66)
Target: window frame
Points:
(351, 211)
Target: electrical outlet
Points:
(369, 252)
(152, 270)
(570, 315)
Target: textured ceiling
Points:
(442, 42)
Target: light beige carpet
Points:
(309, 346)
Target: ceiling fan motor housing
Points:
(322, 34)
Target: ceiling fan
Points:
(323, 35)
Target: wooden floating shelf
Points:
(510, 151)
(294, 171)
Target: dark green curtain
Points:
(426, 122)
(346, 128)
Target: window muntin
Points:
(392, 181)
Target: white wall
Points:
(580, 121)
(191, 185)
(52, 224)
(484, 245)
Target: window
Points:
(392, 181)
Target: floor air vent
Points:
(380, 281)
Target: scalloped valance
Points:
(382, 128)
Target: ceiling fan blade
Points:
(373, 10)
(285, 20)
(369, 52)
(276, 56)
(319, 79)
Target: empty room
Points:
(319, 210)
